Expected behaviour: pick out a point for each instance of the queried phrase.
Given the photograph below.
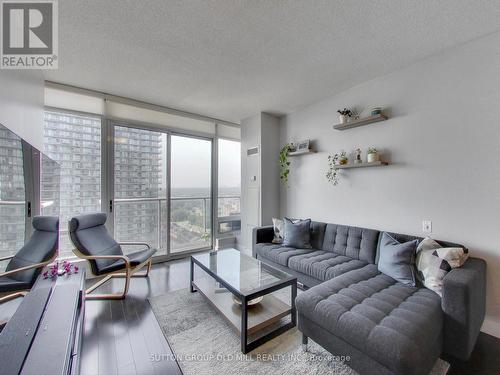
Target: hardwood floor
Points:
(120, 336)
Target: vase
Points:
(372, 157)
(343, 119)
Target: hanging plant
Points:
(284, 162)
(332, 173)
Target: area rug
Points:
(204, 343)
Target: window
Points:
(229, 184)
(191, 204)
(143, 160)
(140, 163)
(74, 142)
(12, 194)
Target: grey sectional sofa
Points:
(384, 326)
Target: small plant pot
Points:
(373, 157)
(343, 161)
(343, 119)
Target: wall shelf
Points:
(362, 165)
(304, 152)
(360, 122)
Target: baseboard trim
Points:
(491, 326)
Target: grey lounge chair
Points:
(25, 266)
(93, 243)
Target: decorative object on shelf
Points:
(376, 111)
(252, 302)
(343, 159)
(344, 115)
(66, 268)
(360, 122)
(302, 146)
(358, 156)
(332, 173)
(284, 162)
(372, 155)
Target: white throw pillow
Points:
(278, 226)
(434, 262)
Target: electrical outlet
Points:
(427, 226)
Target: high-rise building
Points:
(12, 193)
(139, 184)
(74, 142)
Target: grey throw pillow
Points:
(297, 233)
(397, 260)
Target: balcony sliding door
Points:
(140, 186)
(191, 193)
(141, 203)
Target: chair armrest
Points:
(464, 304)
(261, 235)
(97, 257)
(27, 268)
(134, 243)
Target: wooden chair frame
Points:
(128, 274)
(22, 293)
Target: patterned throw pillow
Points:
(434, 262)
(278, 226)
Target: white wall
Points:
(270, 148)
(21, 104)
(259, 187)
(250, 179)
(442, 141)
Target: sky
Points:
(191, 159)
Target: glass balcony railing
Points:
(141, 219)
(12, 225)
(145, 219)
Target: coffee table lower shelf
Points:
(267, 312)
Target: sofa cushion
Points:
(278, 253)
(323, 265)
(353, 242)
(297, 233)
(390, 322)
(397, 259)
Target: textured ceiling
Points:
(231, 58)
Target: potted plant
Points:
(344, 115)
(284, 162)
(358, 160)
(372, 155)
(332, 173)
(342, 158)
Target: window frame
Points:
(107, 170)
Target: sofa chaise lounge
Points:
(352, 309)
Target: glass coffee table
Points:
(240, 288)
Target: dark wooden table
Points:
(43, 336)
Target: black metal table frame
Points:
(245, 297)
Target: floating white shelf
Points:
(298, 153)
(360, 122)
(363, 165)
